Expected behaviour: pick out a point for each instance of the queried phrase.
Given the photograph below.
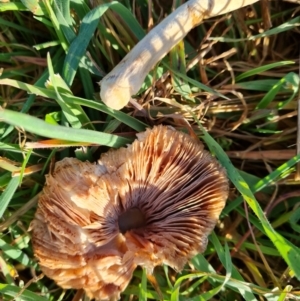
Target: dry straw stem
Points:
(152, 203)
(127, 77)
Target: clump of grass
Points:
(233, 82)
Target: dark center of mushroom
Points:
(133, 218)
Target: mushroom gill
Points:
(152, 203)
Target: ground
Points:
(233, 83)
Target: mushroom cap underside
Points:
(152, 203)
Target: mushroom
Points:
(152, 203)
(127, 77)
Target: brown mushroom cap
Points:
(152, 203)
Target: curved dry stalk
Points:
(127, 77)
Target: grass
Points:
(234, 82)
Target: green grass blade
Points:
(33, 6)
(80, 43)
(294, 220)
(228, 267)
(237, 285)
(289, 252)
(177, 61)
(290, 81)
(14, 291)
(143, 287)
(10, 147)
(40, 127)
(126, 119)
(64, 7)
(130, 20)
(16, 254)
(293, 23)
(261, 69)
(224, 257)
(5, 23)
(24, 163)
(284, 295)
(265, 182)
(263, 85)
(175, 292)
(62, 22)
(8, 193)
(74, 113)
(208, 295)
(12, 6)
(57, 26)
(195, 83)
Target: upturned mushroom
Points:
(152, 203)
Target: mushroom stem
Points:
(127, 77)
